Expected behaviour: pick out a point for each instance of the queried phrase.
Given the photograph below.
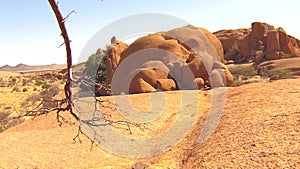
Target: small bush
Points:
(29, 81)
(38, 82)
(246, 71)
(3, 120)
(276, 75)
(4, 116)
(14, 122)
(16, 89)
(24, 82)
(285, 56)
(25, 90)
(2, 82)
(13, 81)
(241, 74)
(6, 123)
(52, 79)
(34, 98)
(50, 92)
(46, 86)
(237, 83)
(96, 67)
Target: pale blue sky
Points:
(29, 32)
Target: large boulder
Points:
(149, 75)
(192, 70)
(157, 41)
(171, 60)
(141, 86)
(217, 78)
(113, 53)
(228, 78)
(215, 42)
(166, 84)
(198, 83)
(157, 65)
(259, 43)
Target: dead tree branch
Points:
(67, 17)
(99, 118)
(68, 92)
(68, 86)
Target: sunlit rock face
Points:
(259, 43)
(181, 58)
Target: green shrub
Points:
(237, 83)
(25, 90)
(46, 86)
(50, 92)
(96, 67)
(95, 70)
(285, 56)
(38, 82)
(277, 74)
(241, 74)
(246, 71)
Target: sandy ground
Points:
(260, 128)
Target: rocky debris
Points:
(165, 61)
(259, 43)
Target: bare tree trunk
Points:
(64, 33)
(94, 122)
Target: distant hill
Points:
(27, 68)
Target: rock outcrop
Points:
(259, 43)
(113, 53)
(181, 58)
